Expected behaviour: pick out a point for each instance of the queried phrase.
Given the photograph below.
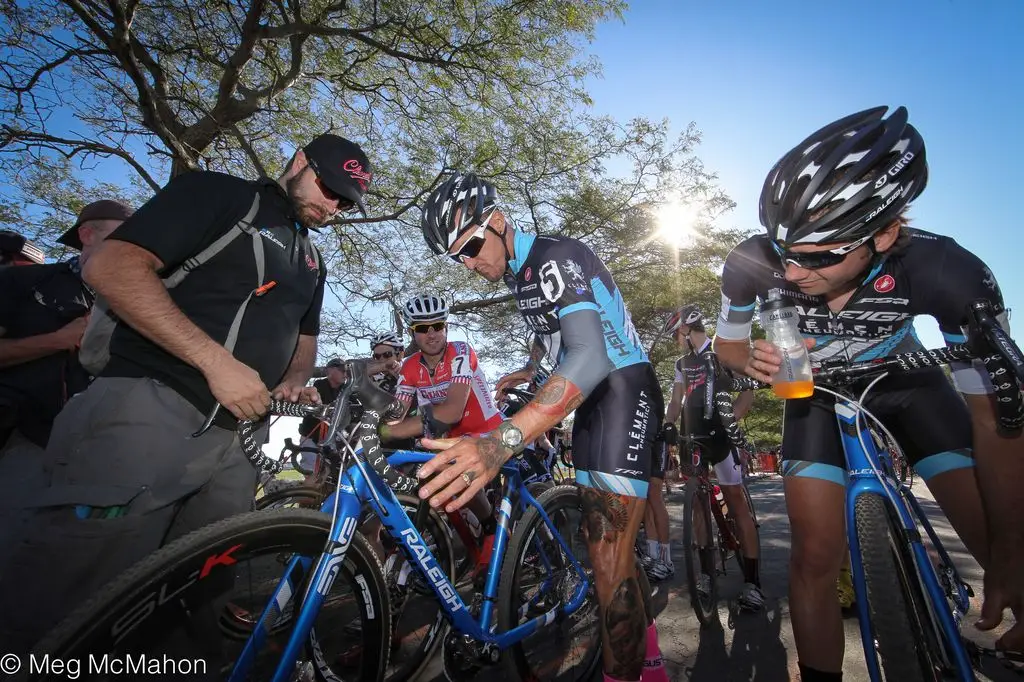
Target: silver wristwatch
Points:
(511, 437)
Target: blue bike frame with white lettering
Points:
(862, 464)
(360, 484)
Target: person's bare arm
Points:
(999, 463)
(126, 275)
(449, 412)
(299, 370)
(733, 355)
(19, 351)
(741, 406)
(521, 376)
(675, 403)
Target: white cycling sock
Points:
(666, 552)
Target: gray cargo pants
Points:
(123, 446)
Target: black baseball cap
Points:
(335, 362)
(105, 209)
(342, 166)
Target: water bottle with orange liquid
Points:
(780, 318)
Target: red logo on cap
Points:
(528, 275)
(885, 284)
(356, 172)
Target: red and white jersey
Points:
(458, 365)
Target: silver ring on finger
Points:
(468, 477)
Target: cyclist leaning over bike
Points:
(570, 301)
(839, 247)
(688, 328)
(450, 390)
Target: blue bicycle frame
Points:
(862, 465)
(359, 484)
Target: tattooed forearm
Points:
(491, 451)
(552, 392)
(625, 630)
(605, 515)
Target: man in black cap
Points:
(218, 290)
(42, 316)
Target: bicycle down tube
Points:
(863, 479)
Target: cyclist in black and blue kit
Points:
(838, 245)
(571, 303)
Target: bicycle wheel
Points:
(185, 601)
(899, 617)
(757, 529)
(296, 496)
(537, 577)
(699, 555)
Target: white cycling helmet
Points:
(425, 308)
(689, 315)
(386, 339)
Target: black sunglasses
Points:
(817, 260)
(384, 356)
(425, 328)
(344, 205)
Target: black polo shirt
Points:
(180, 221)
(35, 300)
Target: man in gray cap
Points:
(217, 287)
(42, 317)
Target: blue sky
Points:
(758, 77)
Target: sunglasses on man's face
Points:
(471, 247)
(817, 260)
(425, 328)
(344, 205)
(387, 355)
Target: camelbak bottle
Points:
(779, 318)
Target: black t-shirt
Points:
(40, 299)
(179, 222)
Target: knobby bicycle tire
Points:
(706, 609)
(557, 502)
(899, 626)
(306, 497)
(172, 588)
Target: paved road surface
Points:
(761, 648)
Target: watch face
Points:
(512, 436)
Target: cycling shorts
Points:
(614, 431)
(923, 411)
(719, 452)
(532, 469)
(659, 460)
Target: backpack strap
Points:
(243, 226)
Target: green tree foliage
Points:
(136, 91)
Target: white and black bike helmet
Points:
(846, 181)
(689, 315)
(465, 196)
(386, 339)
(425, 308)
